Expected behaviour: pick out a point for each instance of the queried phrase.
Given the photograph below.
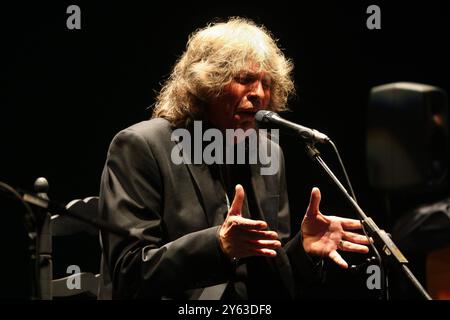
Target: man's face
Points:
(235, 108)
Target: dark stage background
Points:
(67, 92)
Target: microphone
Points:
(273, 120)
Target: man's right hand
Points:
(240, 237)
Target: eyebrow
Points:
(253, 74)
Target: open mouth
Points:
(250, 112)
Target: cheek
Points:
(266, 98)
(220, 114)
(236, 92)
(226, 109)
(231, 102)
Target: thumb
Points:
(238, 200)
(314, 202)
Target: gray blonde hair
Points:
(214, 56)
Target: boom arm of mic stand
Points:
(380, 237)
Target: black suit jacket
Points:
(178, 209)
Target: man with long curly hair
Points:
(194, 242)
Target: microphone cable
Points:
(336, 151)
(352, 193)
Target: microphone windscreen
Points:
(261, 114)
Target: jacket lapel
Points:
(209, 192)
(267, 194)
(213, 201)
(265, 187)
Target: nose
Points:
(257, 94)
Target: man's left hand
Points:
(324, 235)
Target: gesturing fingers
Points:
(263, 252)
(352, 247)
(336, 257)
(270, 244)
(314, 203)
(355, 237)
(261, 235)
(245, 223)
(349, 224)
(240, 237)
(248, 248)
(238, 200)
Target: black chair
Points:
(76, 253)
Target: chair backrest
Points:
(76, 253)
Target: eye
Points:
(266, 83)
(248, 78)
(266, 80)
(245, 78)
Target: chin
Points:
(246, 125)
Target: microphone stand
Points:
(380, 238)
